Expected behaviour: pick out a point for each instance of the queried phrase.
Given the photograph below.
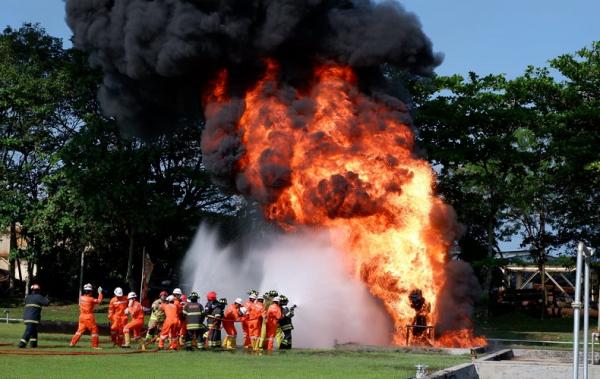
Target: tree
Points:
(72, 180)
(467, 129)
(575, 145)
(32, 128)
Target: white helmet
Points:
(177, 291)
(276, 299)
(238, 301)
(118, 291)
(170, 298)
(131, 295)
(88, 287)
(252, 296)
(243, 310)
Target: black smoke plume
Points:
(158, 55)
(457, 299)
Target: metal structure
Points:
(584, 255)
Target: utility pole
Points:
(584, 255)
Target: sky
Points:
(485, 36)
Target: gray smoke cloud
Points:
(158, 55)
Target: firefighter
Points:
(268, 300)
(255, 323)
(215, 322)
(32, 315)
(136, 323)
(182, 321)
(157, 317)
(117, 316)
(177, 301)
(285, 323)
(86, 315)
(170, 327)
(211, 301)
(245, 320)
(194, 317)
(273, 315)
(233, 313)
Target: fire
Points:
(332, 157)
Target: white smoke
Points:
(333, 306)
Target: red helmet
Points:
(211, 296)
(163, 294)
(183, 299)
(35, 287)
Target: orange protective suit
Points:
(180, 324)
(86, 318)
(182, 321)
(245, 323)
(170, 327)
(273, 316)
(136, 324)
(117, 318)
(229, 318)
(255, 322)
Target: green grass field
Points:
(520, 326)
(333, 363)
(115, 363)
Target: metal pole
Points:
(81, 274)
(143, 268)
(586, 314)
(576, 305)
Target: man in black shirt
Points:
(32, 314)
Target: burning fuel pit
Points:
(345, 165)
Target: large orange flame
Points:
(335, 158)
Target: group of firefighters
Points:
(181, 320)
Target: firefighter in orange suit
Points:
(136, 323)
(233, 313)
(177, 294)
(245, 320)
(255, 322)
(272, 322)
(86, 315)
(182, 320)
(170, 327)
(117, 316)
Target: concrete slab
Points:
(517, 364)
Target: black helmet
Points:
(193, 296)
(273, 293)
(283, 300)
(252, 292)
(223, 301)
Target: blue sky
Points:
(485, 36)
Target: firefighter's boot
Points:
(127, 343)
